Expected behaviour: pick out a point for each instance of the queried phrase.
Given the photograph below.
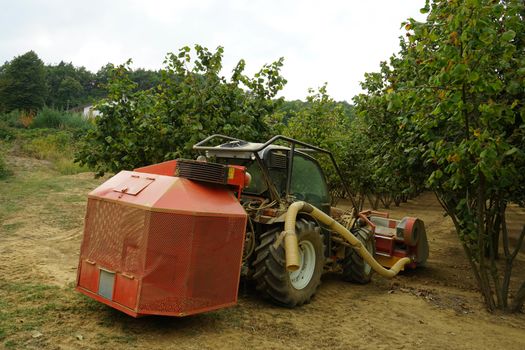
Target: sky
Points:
(321, 41)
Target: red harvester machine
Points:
(174, 238)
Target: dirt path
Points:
(41, 215)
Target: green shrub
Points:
(77, 121)
(12, 119)
(52, 118)
(47, 118)
(6, 134)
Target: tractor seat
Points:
(385, 231)
(382, 226)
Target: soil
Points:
(434, 307)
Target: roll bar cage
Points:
(306, 147)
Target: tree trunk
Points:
(519, 299)
(374, 202)
(386, 199)
(485, 286)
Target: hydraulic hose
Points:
(292, 249)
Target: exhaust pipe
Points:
(291, 246)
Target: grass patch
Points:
(56, 145)
(27, 307)
(11, 344)
(105, 339)
(4, 170)
(10, 228)
(43, 193)
(74, 198)
(67, 166)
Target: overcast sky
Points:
(322, 41)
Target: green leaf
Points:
(473, 77)
(508, 35)
(486, 38)
(511, 151)
(459, 69)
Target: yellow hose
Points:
(292, 249)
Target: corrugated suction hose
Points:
(292, 249)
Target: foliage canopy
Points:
(22, 84)
(191, 102)
(454, 95)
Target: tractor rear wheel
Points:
(274, 281)
(355, 269)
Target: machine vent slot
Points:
(202, 171)
(278, 160)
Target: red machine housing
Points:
(396, 239)
(159, 244)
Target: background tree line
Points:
(26, 83)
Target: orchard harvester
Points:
(174, 238)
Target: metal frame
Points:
(200, 146)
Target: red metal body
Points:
(159, 244)
(396, 239)
(156, 242)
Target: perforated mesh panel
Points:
(183, 263)
(114, 236)
(192, 262)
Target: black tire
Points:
(355, 269)
(271, 276)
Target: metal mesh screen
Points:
(193, 263)
(161, 263)
(115, 236)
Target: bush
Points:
(12, 119)
(6, 134)
(51, 118)
(46, 118)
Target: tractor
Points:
(175, 238)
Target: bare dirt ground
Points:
(41, 216)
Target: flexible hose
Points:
(292, 249)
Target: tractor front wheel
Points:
(275, 282)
